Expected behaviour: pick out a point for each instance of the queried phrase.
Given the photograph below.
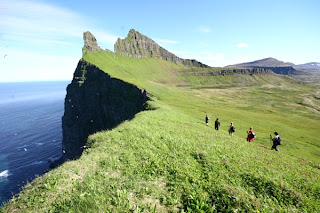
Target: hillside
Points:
(311, 72)
(166, 159)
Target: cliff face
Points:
(137, 45)
(282, 70)
(96, 102)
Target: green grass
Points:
(168, 160)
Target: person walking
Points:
(232, 129)
(251, 135)
(207, 119)
(276, 141)
(217, 124)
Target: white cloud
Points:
(40, 41)
(209, 58)
(39, 21)
(43, 40)
(28, 66)
(25, 17)
(212, 59)
(241, 45)
(204, 29)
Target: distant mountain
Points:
(266, 62)
(308, 66)
(311, 72)
(273, 64)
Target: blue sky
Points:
(42, 40)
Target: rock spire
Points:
(90, 42)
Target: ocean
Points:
(30, 131)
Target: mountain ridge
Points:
(265, 62)
(308, 66)
(137, 45)
(273, 62)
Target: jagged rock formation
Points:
(96, 102)
(139, 46)
(90, 42)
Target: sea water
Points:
(30, 131)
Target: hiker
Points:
(232, 129)
(207, 120)
(276, 141)
(217, 124)
(251, 135)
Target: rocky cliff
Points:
(96, 102)
(281, 70)
(139, 46)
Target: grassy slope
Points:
(168, 160)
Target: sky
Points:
(42, 40)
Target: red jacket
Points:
(250, 137)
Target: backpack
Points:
(253, 134)
(279, 142)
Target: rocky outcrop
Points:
(96, 102)
(281, 70)
(90, 42)
(137, 45)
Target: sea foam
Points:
(4, 174)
